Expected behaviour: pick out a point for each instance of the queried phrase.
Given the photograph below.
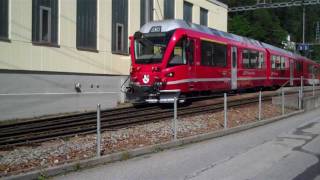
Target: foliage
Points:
(274, 25)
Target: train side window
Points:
(261, 60)
(299, 67)
(254, 59)
(278, 62)
(273, 61)
(282, 63)
(246, 59)
(178, 56)
(213, 54)
(190, 52)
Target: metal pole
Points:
(301, 86)
(225, 111)
(282, 100)
(175, 114)
(313, 85)
(260, 103)
(300, 102)
(303, 24)
(98, 132)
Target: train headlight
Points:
(158, 84)
(171, 74)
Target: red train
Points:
(173, 58)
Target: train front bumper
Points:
(150, 94)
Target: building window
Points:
(169, 9)
(187, 11)
(45, 24)
(119, 37)
(146, 10)
(4, 18)
(213, 54)
(45, 21)
(120, 26)
(87, 24)
(203, 17)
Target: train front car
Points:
(158, 54)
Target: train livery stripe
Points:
(198, 80)
(213, 80)
(252, 78)
(214, 41)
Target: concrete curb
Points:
(57, 170)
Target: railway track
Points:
(35, 131)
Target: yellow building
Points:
(68, 55)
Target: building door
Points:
(291, 72)
(234, 68)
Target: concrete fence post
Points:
(98, 131)
(260, 104)
(225, 112)
(175, 116)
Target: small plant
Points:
(158, 149)
(77, 167)
(42, 177)
(125, 156)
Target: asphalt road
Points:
(287, 149)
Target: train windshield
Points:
(150, 48)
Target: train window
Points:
(310, 69)
(298, 67)
(282, 63)
(273, 61)
(278, 62)
(178, 56)
(213, 54)
(190, 52)
(252, 59)
(261, 60)
(246, 59)
(254, 55)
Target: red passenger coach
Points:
(174, 58)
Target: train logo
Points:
(146, 78)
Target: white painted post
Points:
(282, 100)
(301, 86)
(300, 100)
(122, 93)
(98, 132)
(175, 116)
(260, 104)
(225, 111)
(313, 85)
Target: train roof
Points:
(169, 25)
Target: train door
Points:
(234, 68)
(291, 72)
(191, 63)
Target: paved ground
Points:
(288, 149)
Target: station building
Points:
(59, 56)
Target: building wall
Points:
(26, 68)
(21, 54)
